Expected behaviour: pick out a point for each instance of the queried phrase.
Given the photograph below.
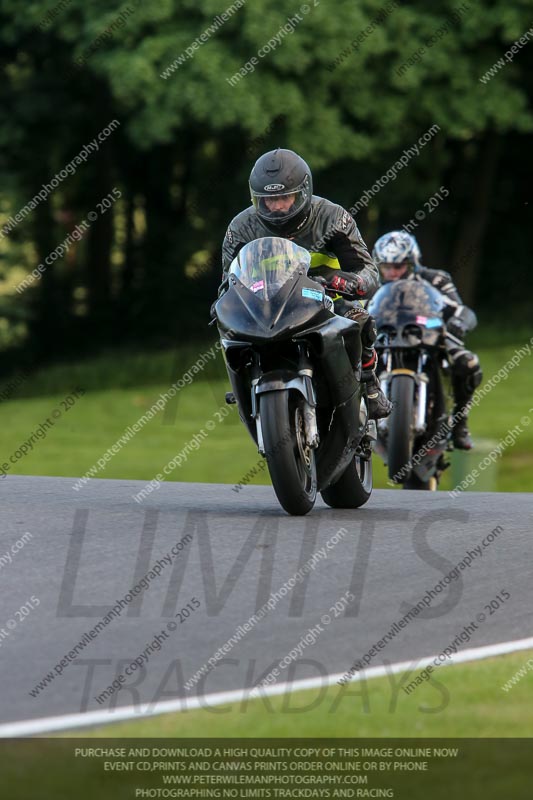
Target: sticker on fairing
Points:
(313, 294)
(257, 286)
(429, 322)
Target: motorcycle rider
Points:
(283, 204)
(397, 255)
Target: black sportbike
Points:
(414, 375)
(290, 361)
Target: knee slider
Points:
(467, 363)
(359, 314)
(474, 379)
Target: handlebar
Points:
(335, 292)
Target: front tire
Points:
(400, 440)
(291, 463)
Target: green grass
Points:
(115, 369)
(463, 701)
(131, 384)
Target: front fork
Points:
(304, 384)
(420, 378)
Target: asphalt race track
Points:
(88, 548)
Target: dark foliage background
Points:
(147, 270)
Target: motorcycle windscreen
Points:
(407, 301)
(265, 265)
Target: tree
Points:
(199, 91)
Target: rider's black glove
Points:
(355, 285)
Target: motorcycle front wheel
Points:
(291, 463)
(400, 440)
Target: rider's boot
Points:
(378, 405)
(466, 377)
(463, 391)
(462, 440)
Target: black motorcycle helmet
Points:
(278, 177)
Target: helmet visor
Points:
(390, 271)
(279, 207)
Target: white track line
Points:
(35, 727)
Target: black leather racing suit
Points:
(330, 233)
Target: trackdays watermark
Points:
(273, 43)
(491, 607)
(142, 585)
(307, 640)
(166, 679)
(421, 605)
(140, 661)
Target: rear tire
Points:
(400, 440)
(291, 464)
(353, 488)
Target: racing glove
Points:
(354, 286)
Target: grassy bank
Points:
(119, 391)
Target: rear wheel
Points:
(400, 439)
(353, 488)
(291, 462)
